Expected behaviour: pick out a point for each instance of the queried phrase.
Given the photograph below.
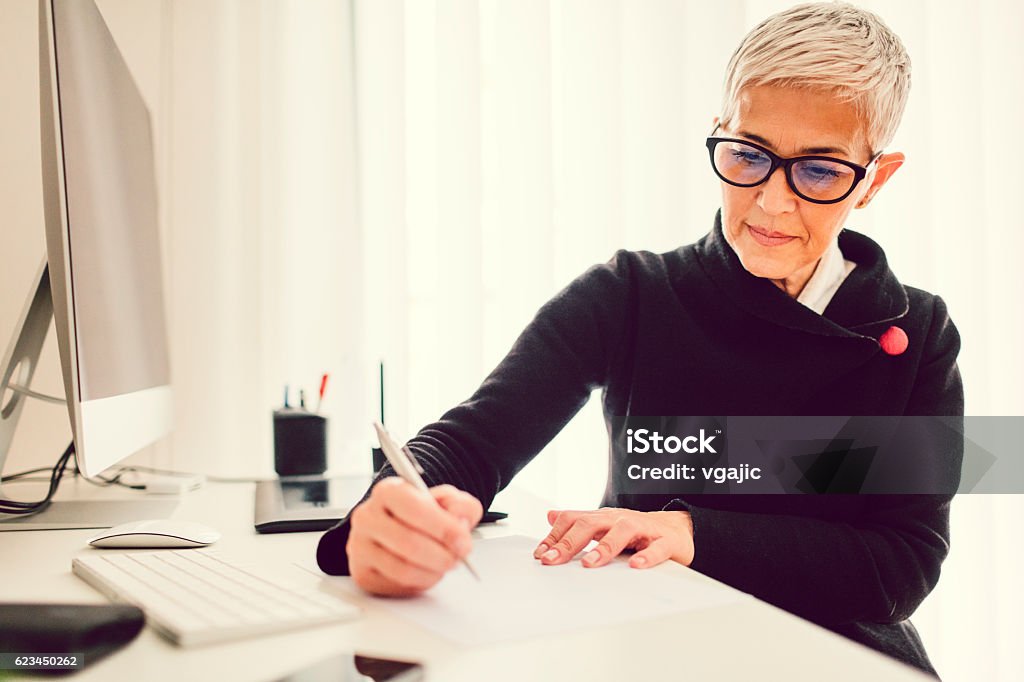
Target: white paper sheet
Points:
(518, 597)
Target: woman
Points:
(777, 311)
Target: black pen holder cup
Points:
(378, 460)
(300, 442)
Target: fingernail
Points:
(591, 557)
(541, 548)
(463, 546)
(640, 561)
(550, 555)
(465, 522)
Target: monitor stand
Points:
(22, 356)
(70, 514)
(16, 371)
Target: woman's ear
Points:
(885, 166)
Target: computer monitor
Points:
(103, 280)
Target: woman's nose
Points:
(775, 195)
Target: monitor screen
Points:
(103, 242)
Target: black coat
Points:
(691, 332)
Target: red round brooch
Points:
(894, 341)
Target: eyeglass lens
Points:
(816, 179)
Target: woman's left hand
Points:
(657, 536)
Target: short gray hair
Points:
(832, 47)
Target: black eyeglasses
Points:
(818, 179)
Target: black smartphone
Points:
(493, 516)
(358, 668)
(55, 639)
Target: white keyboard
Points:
(195, 596)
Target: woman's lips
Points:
(767, 237)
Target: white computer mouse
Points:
(156, 533)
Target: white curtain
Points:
(350, 182)
(506, 146)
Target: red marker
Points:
(323, 387)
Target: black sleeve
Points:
(547, 376)
(878, 569)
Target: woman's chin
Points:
(760, 267)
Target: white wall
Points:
(253, 120)
(496, 138)
(22, 247)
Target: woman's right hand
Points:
(404, 540)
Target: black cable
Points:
(19, 507)
(128, 468)
(22, 474)
(184, 474)
(55, 474)
(30, 479)
(26, 508)
(100, 481)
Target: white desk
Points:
(745, 641)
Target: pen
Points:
(382, 393)
(406, 467)
(323, 387)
